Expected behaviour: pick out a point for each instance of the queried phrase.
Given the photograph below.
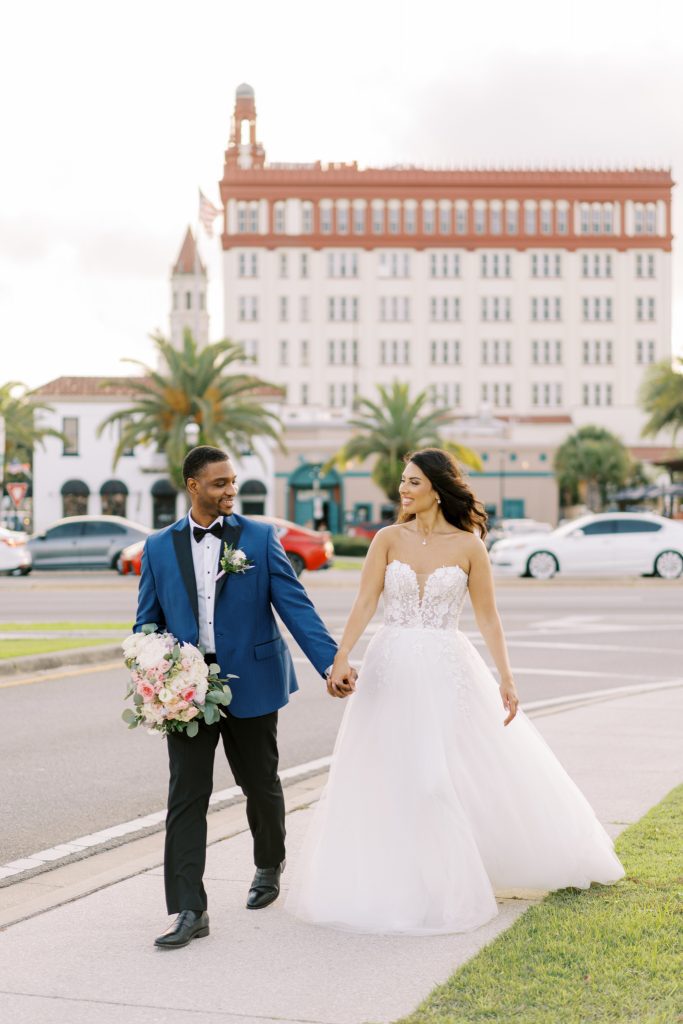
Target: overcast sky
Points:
(113, 114)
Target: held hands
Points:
(342, 679)
(510, 698)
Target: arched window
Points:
(75, 496)
(253, 497)
(164, 497)
(113, 494)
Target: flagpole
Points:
(196, 272)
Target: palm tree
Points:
(193, 387)
(22, 433)
(588, 464)
(394, 426)
(661, 397)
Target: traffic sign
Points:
(17, 492)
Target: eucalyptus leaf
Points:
(192, 728)
(214, 668)
(149, 627)
(128, 716)
(137, 699)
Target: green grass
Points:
(19, 648)
(607, 955)
(348, 563)
(37, 627)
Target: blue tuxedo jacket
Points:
(248, 641)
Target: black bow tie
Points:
(199, 534)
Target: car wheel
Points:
(669, 565)
(542, 565)
(297, 563)
(115, 561)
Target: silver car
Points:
(92, 542)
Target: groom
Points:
(230, 615)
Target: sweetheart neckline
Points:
(417, 575)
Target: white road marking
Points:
(129, 828)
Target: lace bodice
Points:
(439, 606)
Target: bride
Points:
(441, 791)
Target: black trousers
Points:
(250, 745)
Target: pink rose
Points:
(188, 694)
(146, 690)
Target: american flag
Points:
(207, 213)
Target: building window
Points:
(250, 349)
(409, 218)
(496, 218)
(645, 308)
(284, 353)
(378, 217)
(359, 219)
(279, 218)
(394, 264)
(645, 264)
(546, 352)
(511, 218)
(445, 394)
(546, 264)
(283, 308)
(326, 219)
(394, 219)
(307, 217)
(546, 218)
(597, 393)
(188, 300)
(305, 353)
(75, 494)
(70, 431)
(304, 394)
(546, 308)
(495, 264)
(342, 308)
(342, 352)
(394, 353)
(530, 218)
(241, 218)
(444, 264)
(341, 394)
(645, 351)
(282, 264)
(445, 219)
(342, 264)
(444, 308)
(497, 393)
(596, 308)
(461, 218)
(304, 309)
(343, 218)
(496, 307)
(597, 352)
(428, 218)
(394, 308)
(444, 352)
(247, 264)
(113, 499)
(596, 264)
(247, 307)
(547, 394)
(479, 218)
(562, 218)
(303, 266)
(496, 353)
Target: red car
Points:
(305, 549)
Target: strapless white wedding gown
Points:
(432, 806)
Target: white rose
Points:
(239, 556)
(131, 645)
(152, 651)
(166, 696)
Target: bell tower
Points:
(243, 150)
(188, 293)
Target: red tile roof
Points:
(185, 264)
(84, 387)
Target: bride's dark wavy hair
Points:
(458, 503)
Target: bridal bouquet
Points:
(171, 685)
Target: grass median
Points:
(23, 648)
(606, 955)
(62, 627)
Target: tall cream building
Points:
(528, 301)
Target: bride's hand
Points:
(510, 698)
(342, 679)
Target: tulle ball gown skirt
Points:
(432, 806)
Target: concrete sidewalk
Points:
(93, 958)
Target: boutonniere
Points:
(234, 560)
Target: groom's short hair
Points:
(201, 456)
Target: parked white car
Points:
(15, 557)
(505, 528)
(603, 544)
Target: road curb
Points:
(59, 659)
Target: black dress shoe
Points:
(188, 925)
(265, 887)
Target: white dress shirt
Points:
(205, 555)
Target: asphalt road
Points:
(68, 765)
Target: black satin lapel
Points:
(183, 551)
(231, 537)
